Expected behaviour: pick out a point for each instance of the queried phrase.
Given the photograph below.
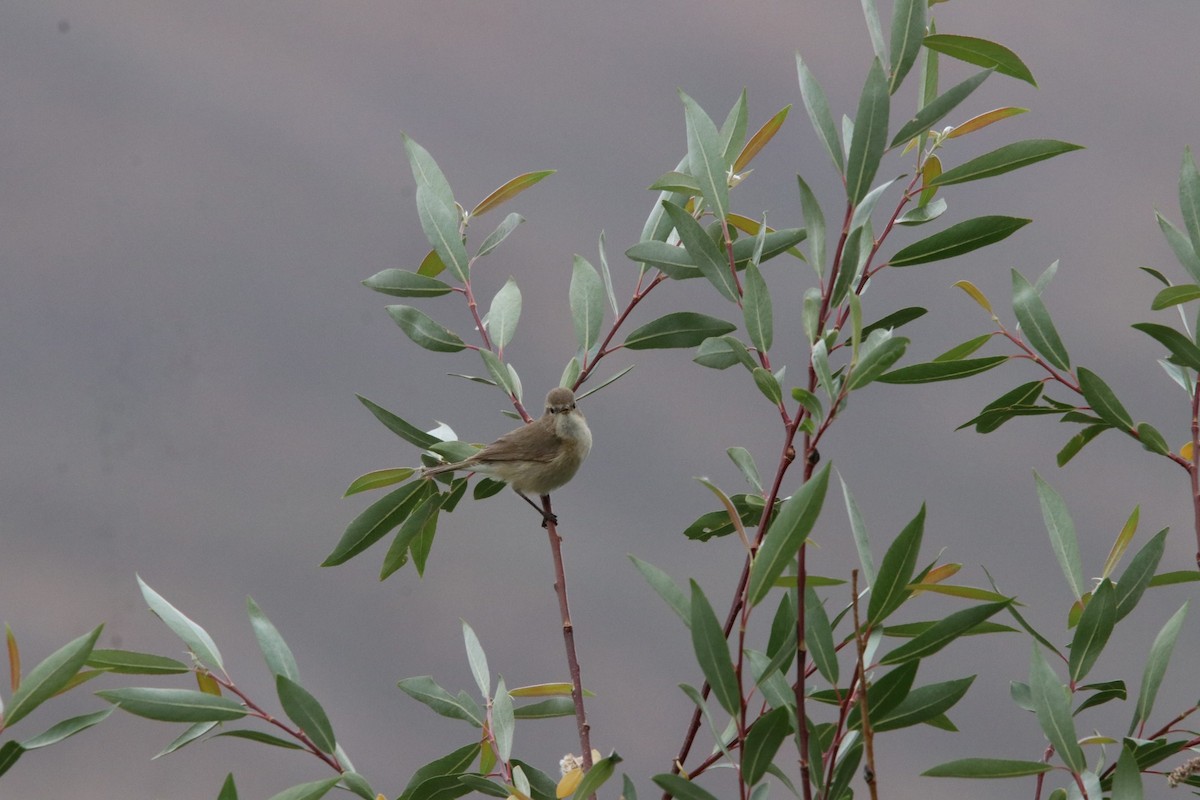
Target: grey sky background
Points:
(193, 191)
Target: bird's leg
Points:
(547, 515)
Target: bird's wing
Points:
(518, 446)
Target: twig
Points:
(869, 774)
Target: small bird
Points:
(538, 457)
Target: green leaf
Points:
(611, 380)
(818, 636)
(674, 261)
(440, 222)
(890, 589)
(942, 633)
(987, 768)
(1181, 245)
(937, 109)
(1004, 159)
(1077, 443)
(894, 320)
(757, 309)
(406, 431)
(1127, 779)
(421, 522)
(1174, 295)
(961, 351)
(175, 705)
(1036, 323)
(419, 327)
(677, 182)
(745, 462)
(501, 233)
(703, 251)
(510, 189)
(1062, 535)
(600, 772)
(858, 530)
(666, 588)
(982, 53)
(922, 704)
(304, 710)
(1183, 351)
(706, 160)
(195, 732)
(379, 479)
(314, 790)
(712, 652)
(1102, 400)
(762, 742)
(382, 516)
(402, 283)
(922, 214)
(1092, 632)
(201, 645)
(788, 530)
(425, 690)
(877, 358)
(9, 753)
(607, 275)
(874, 28)
(452, 764)
(546, 709)
(503, 721)
(1189, 197)
(814, 223)
(426, 171)
(478, 660)
(1137, 574)
(1156, 666)
(587, 303)
(681, 788)
(504, 314)
(679, 329)
(962, 237)
(275, 651)
(1052, 703)
(733, 130)
(870, 134)
(768, 384)
(66, 728)
(260, 737)
(128, 662)
(908, 30)
(817, 106)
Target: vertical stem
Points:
(560, 588)
(1192, 471)
(868, 732)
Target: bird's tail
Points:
(429, 472)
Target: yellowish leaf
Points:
(14, 659)
(509, 190)
(759, 140)
(207, 683)
(569, 783)
(932, 168)
(1186, 451)
(976, 295)
(1121, 543)
(985, 119)
(431, 265)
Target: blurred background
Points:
(193, 192)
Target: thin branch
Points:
(868, 732)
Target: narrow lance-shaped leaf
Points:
(1062, 535)
(401, 283)
(942, 633)
(1183, 351)
(908, 30)
(934, 371)
(1052, 703)
(587, 303)
(983, 120)
(937, 109)
(376, 521)
(896, 571)
(759, 140)
(757, 309)
(814, 223)
(175, 705)
(666, 588)
(679, 329)
(877, 358)
(987, 768)
(818, 636)
(712, 652)
(703, 251)
(870, 134)
(817, 106)
(195, 637)
(1181, 246)
(509, 190)
(1137, 575)
(51, 676)
(1036, 323)
(982, 53)
(421, 328)
(441, 225)
(763, 741)
(493, 240)
(477, 659)
(733, 129)
(607, 275)
(705, 156)
(503, 721)
(1189, 197)
(1102, 400)
(1156, 666)
(504, 313)
(962, 237)
(405, 430)
(874, 28)
(275, 651)
(1092, 631)
(304, 710)
(1174, 295)
(1004, 159)
(788, 530)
